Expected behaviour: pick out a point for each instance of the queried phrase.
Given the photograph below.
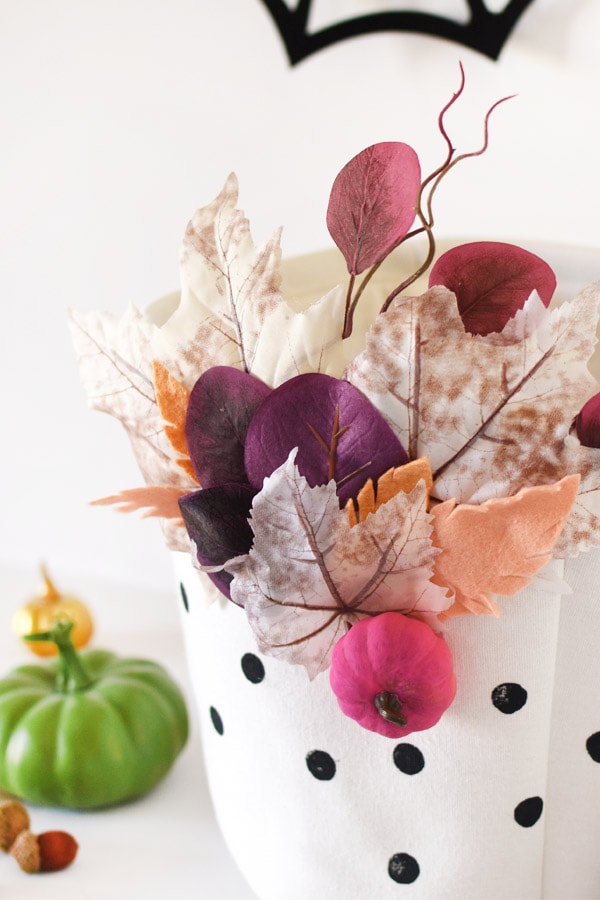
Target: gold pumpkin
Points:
(39, 613)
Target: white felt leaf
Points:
(491, 418)
(115, 362)
(309, 575)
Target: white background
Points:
(119, 118)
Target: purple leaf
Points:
(372, 203)
(217, 521)
(221, 405)
(587, 423)
(338, 432)
(492, 281)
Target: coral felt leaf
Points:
(402, 478)
(338, 433)
(221, 405)
(373, 203)
(172, 398)
(156, 500)
(497, 547)
(491, 418)
(228, 287)
(309, 574)
(492, 281)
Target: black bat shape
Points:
(486, 32)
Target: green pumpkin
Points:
(87, 730)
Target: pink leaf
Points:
(372, 203)
(491, 282)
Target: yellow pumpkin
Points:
(39, 613)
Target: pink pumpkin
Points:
(393, 674)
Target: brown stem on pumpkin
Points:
(389, 708)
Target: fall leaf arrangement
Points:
(354, 478)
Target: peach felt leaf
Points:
(402, 478)
(172, 398)
(157, 501)
(309, 574)
(497, 547)
(491, 417)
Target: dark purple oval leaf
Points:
(587, 423)
(217, 521)
(338, 432)
(221, 404)
(492, 281)
(372, 204)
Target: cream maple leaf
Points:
(310, 574)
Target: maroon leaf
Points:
(221, 405)
(217, 522)
(338, 432)
(492, 281)
(587, 423)
(372, 203)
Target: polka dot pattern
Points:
(509, 697)
(408, 759)
(529, 811)
(216, 720)
(321, 765)
(184, 596)
(403, 868)
(253, 668)
(593, 746)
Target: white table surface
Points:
(165, 845)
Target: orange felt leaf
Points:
(498, 546)
(402, 478)
(172, 399)
(157, 501)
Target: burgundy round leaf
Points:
(587, 423)
(338, 432)
(217, 521)
(221, 405)
(492, 281)
(372, 204)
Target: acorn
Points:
(46, 852)
(39, 613)
(14, 819)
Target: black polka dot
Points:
(403, 868)
(528, 811)
(593, 746)
(253, 668)
(184, 596)
(509, 697)
(321, 765)
(408, 759)
(216, 720)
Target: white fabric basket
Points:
(501, 799)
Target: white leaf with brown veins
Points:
(491, 418)
(309, 574)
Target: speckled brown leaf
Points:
(309, 574)
(492, 418)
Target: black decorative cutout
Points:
(486, 32)
(509, 697)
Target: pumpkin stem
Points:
(389, 707)
(72, 675)
(51, 594)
